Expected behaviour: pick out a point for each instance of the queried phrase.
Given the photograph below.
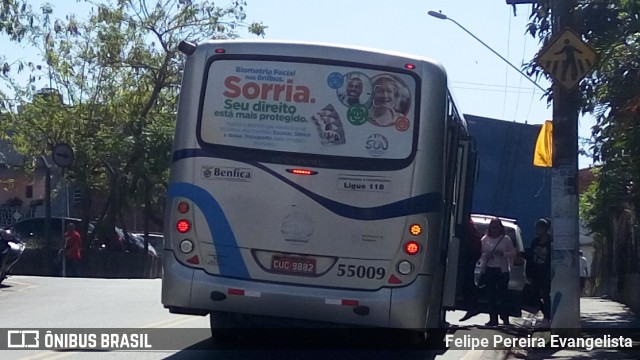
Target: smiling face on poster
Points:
(308, 108)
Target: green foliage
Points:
(118, 74)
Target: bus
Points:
(315, 182)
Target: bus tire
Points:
(223, 328)
(416, 337)
(435, 338)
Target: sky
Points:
(483, 84)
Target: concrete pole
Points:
(565, 287)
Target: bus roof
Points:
(258, 42)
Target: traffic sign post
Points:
(567, 58)
(63, 156)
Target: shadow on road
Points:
(313, 344)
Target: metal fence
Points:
(10, 215)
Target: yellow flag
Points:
(543, 153)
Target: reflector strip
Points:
(242, 292)
(350, 302)
(344, 302)
(194, 260)
(235, 292)
(394, 280)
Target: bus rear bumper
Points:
(193, 291)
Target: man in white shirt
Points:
(584, 271)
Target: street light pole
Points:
(441, 16)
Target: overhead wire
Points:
(492, 85)
(501, 89)
(524, 49)
(533, 92)
(506, 71)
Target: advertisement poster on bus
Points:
(309, 108)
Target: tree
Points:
(612, 94)
(118, 76)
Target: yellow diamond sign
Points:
(567, 58)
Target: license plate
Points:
(293, 265)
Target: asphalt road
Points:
(130, 306)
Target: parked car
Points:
(155, 239)
(32, 233)
(517, 276)
(136, 242)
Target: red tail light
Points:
(183, 226)
(183, 207)
(412, 247)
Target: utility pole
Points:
(565, 289)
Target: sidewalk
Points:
(600, 318)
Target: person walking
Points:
(497, 251)
(471, 252)
(538, 270)
(584, 272)
(73, 251)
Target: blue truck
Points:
(507, 182)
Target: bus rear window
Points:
(308, 108)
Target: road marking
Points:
(473, 355)
(170, 322)
(25, 286)
(38, 356)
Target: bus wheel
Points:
(223, 326)
(435, 338)
(416, 337)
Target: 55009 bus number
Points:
(368, 272)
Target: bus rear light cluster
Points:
(405, 267)
(183, 207)
(412, 247)
(194, 260)
(415, 229)
(186, 246)
(183, 226)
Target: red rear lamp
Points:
(183, 226)
(410, 66)
(301, 172)
(412, 247)
(220, 51)
(183, 207)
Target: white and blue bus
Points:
(315, 182)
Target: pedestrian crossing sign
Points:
(567, 58)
